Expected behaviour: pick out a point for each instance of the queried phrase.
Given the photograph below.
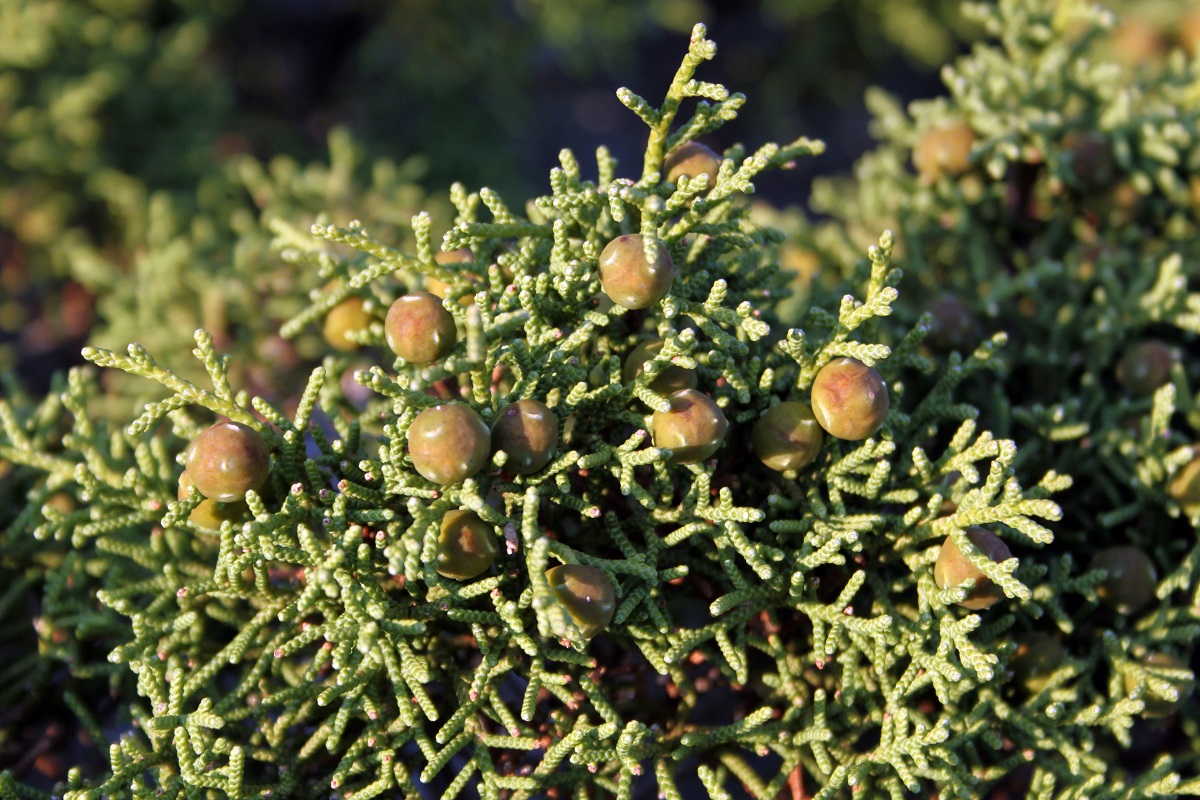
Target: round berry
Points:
(955, 326)
(629, 278)
(228, 460)
(670, 378)
(62, 502)
(692, 429)
(527, 431)
(419, 329)
(849, 399)
(953, 568)
(209, 514)
(1184, 487)
(691, 161)
(448, 443)
(1092, 159)
(346, 316)
(1038, 656)
(440, 287)
(787, 436)
(462, 255)
(1188, 31)
(1156, 704)
(1146, 366)
(1131, 579)
(1138, 42)
(466, 546)
(586, 594)
(944, 151)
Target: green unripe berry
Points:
(670, 378)
(209, 514)
(343, 318)
(1131, 579)
(953, 568)
(1157, 705)
(466, 546)
(955, 326)
(448, 443)
(228, 460)
(527, 431)
(693, 429)
(690, 161)
(586, 594)
(1146, 366)
(787, 436)
(419, 329)
(849, 399)
(1038, 656)
(629, 278)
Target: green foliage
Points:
(1075, 229)
(772, 631)
(96, 94)
(325, 616)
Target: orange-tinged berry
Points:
(944, 152)
(691, 161)
(419, 329)
(693, 429)
(209, 514)
(1184, 487)
(228, 460)
(440, 287)
(849, 399)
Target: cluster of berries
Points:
(451, 442)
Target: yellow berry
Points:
(343, 318)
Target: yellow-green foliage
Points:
(771, 632)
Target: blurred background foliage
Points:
(140, 135)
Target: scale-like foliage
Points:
(771, 632)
